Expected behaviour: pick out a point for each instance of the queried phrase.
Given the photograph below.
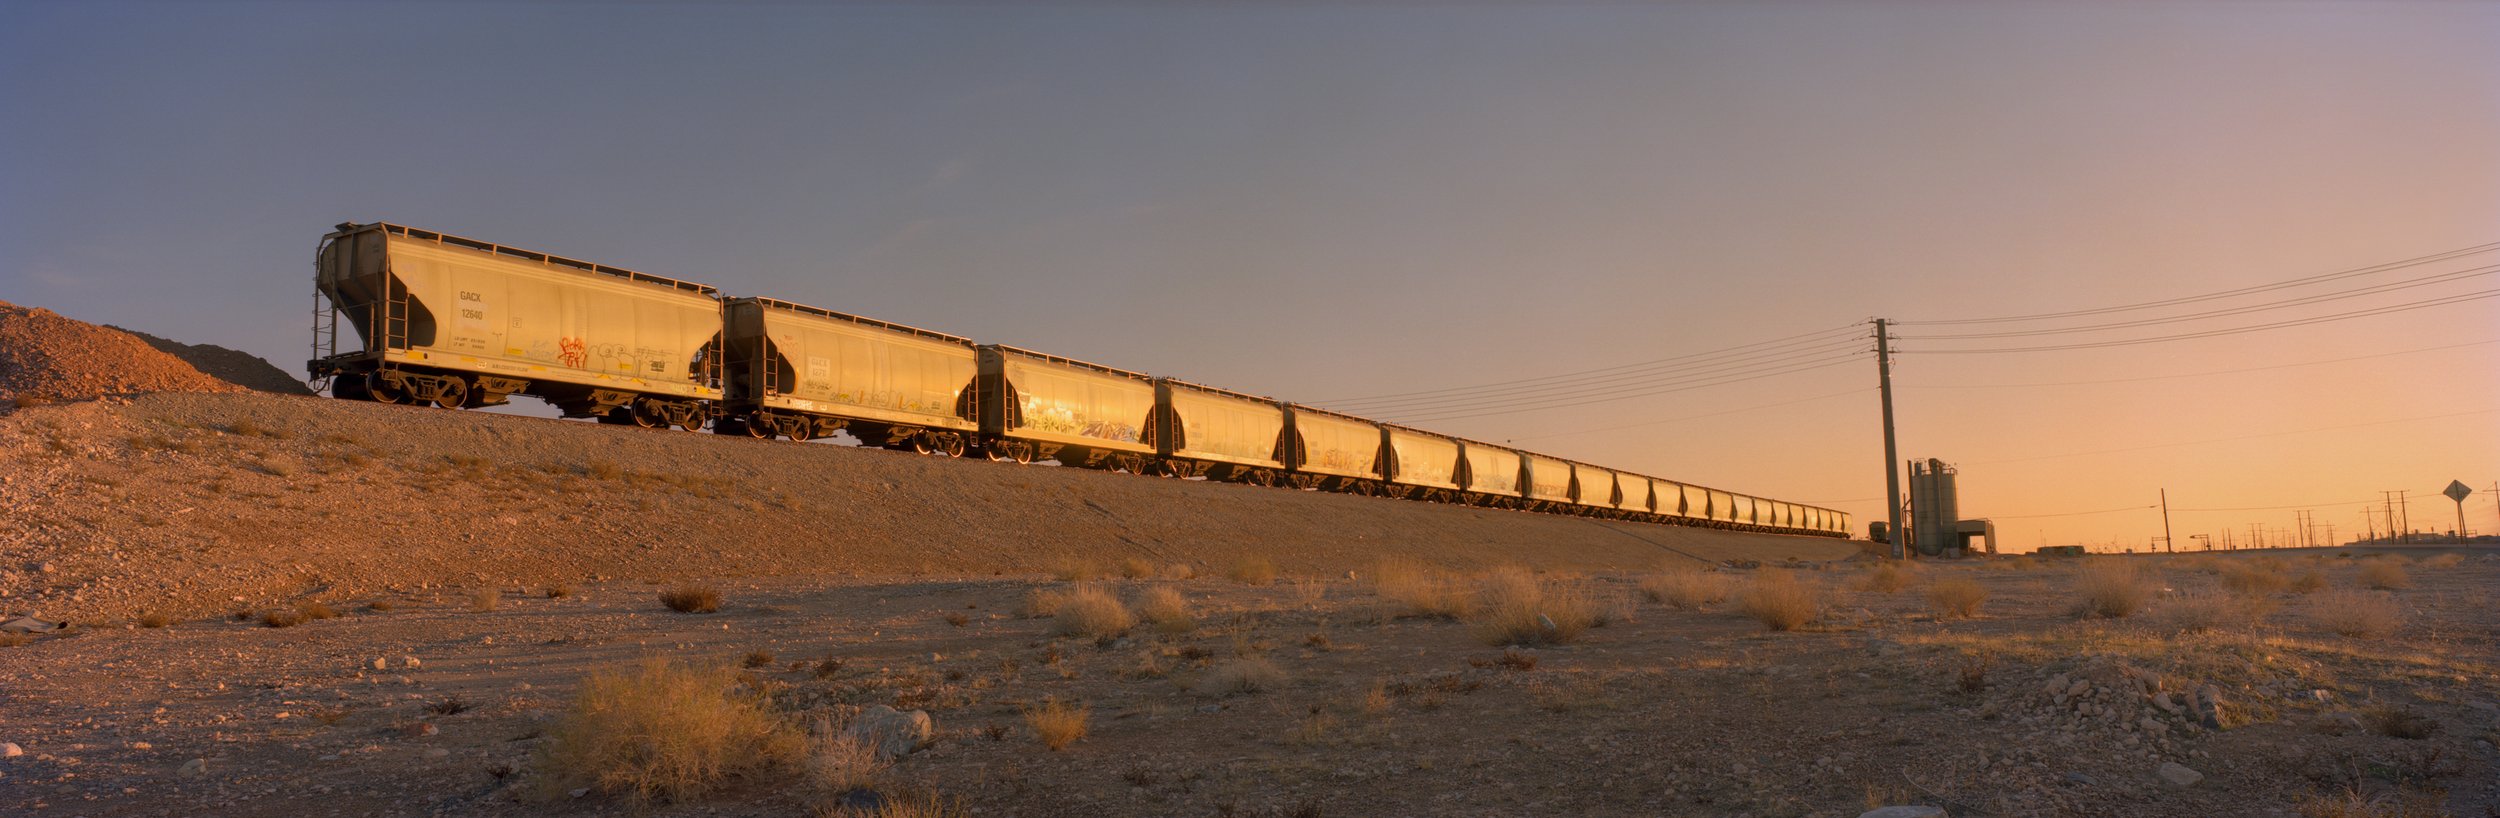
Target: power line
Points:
(2320, 298)
(2358, 271)
(2229, 439)
(2204, 374)
(1549, 379)
(2321, 319)
(1695, 417)
(2073, 513)
(1603, 386)
(1731, 366)
(1704, 385)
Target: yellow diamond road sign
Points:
(2457, 490)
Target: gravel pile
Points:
(46, 356)
(233, 366)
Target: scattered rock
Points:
(193, 768)
(2178, 775)
(28, 624)
(2167, 704)
(9, 749)
(893, 732)
(2208, 707)
(420, 730)
(2080, 779)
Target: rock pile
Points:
(46, 356)
(233, 366)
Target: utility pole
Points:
(1892, 455)
(2165, 522)
(2330, 535)
(2406, 503)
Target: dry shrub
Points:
(1249, 674)
(2385, 575)
(1057, 723)
(837, 763)
(2200, 611)
(663, 731)
(1520, 609)
(381, 605)
(1309, 591)
(559, 590)
(11, 639)
(2254, 580)
(1413, 590)
(2110, 588)
(2396, 721)
(1686, 589)
(1164, 608)
(1252, 571)
(2356, 613)
(1180, 570)
(315, 610)
(1042, 603)
(907, 804)
(1887, 577)
(957, 619)
(485, 599)
(1957, 597)
(691, 599)
(2443, 562)
(1134, 568)
(1778, 600)
(2309, 582)
(155, 620)
(1090, 611)
(282, 618)
(757, 658)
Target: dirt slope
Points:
(184, 502)
(44, 355)
(233, 366)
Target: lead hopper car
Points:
(460, 323)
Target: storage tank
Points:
(1934, 506)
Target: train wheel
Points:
(452, 394)
(759, 427)
(950, 445)
(802, 430)
(381, 391)
(647, 414)
(1022, 453)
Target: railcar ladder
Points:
(325, 340)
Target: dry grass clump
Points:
(2254, 580)
(1042, 603)
(1164, 608)
(13, 639)
(1413, 590)
(1057, 723)
(907, 804)
(300, 614)
(1134, 568)
(2201, 611)
(1252, 571)
(155, 620)
(1180, 570)
(1957, 597)
(2309, 582)
(2385, 575)
(2443, 562)
(2112, 588)
(485, 599)
(2396, 721)
(559, 590)
(1778, 600)
(1520, 609)
(1888, 577)
(1249, 674)
(663, 731)
(691, 599)
(837, 763)
(1090, 611)
(1686, 589)
(2356, 613)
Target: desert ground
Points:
(285, 605)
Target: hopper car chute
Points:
(461, 323)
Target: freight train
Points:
(459, 323)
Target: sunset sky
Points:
(1327, 203)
